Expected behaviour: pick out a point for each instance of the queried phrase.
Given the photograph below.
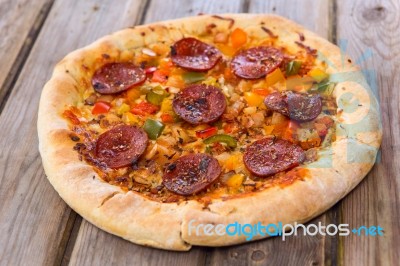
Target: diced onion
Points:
(149, 52)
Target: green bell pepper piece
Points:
(192, 77)
(156, 95)
(153, 128)
(230, 141)
(293, 68)
(325, 88)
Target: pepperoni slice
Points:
(199, 103)
(194, 55)
(116, 77)
(121, 146)
(255, 63)
(191, 173)
(269, 156)
(298, 106)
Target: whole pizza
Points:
(213, 119)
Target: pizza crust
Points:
(165, 225)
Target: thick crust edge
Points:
(166, 225)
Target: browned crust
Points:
(165, 225)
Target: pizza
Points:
(212, 119)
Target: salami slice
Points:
(298, 106)
(121, 146)
(194, 55)
(198, 104)
(191, 173)
(117, 77)
(269, 156)
(255, 63)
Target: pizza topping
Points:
(255, 63)
(269, 156)
(117, 77)
(144, 108)
(150, 70)
(293, 68)
(91, 100)
(269, 32)
(309, 50)
(153, 128)
(185, 109)
(160, 76)
(101, 108)
(318, 74)
(194, 55)
(198, 104)
(121, 146)
(191, 173)
(156, 95)
(298, 106)
(231, 20)
(192, 77)
(238, 38)
(228, 140)
(205, 133)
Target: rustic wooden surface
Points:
(37, 228)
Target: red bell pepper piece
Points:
(205, 133)
(144, 108)
(101, 108)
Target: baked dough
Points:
(165, 225)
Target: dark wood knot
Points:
(257, 255)
(375, 14)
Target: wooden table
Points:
(38, 228)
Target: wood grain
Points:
(168, 9)
(33, 217)
(20, 22)
(36, 226)
(313, 15)
(374, 26)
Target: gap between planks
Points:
(23, 53)
(69, 238)
(332, 216)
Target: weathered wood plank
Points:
(374, 25)
(96, 247)
(314, 15)
(20, 23)
(299, 250)
(170, 9)
(113, 250)
(33, 218)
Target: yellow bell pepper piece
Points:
(129, 118)
(226, 49)
(123, 109)
(235, 181)
(318, 74)
(275, 77)
(133, 94)
(232, 162)
(211, 81)
(176, 81)
(253, 99)
(269, 129)
(166, 106)
(238, 38)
